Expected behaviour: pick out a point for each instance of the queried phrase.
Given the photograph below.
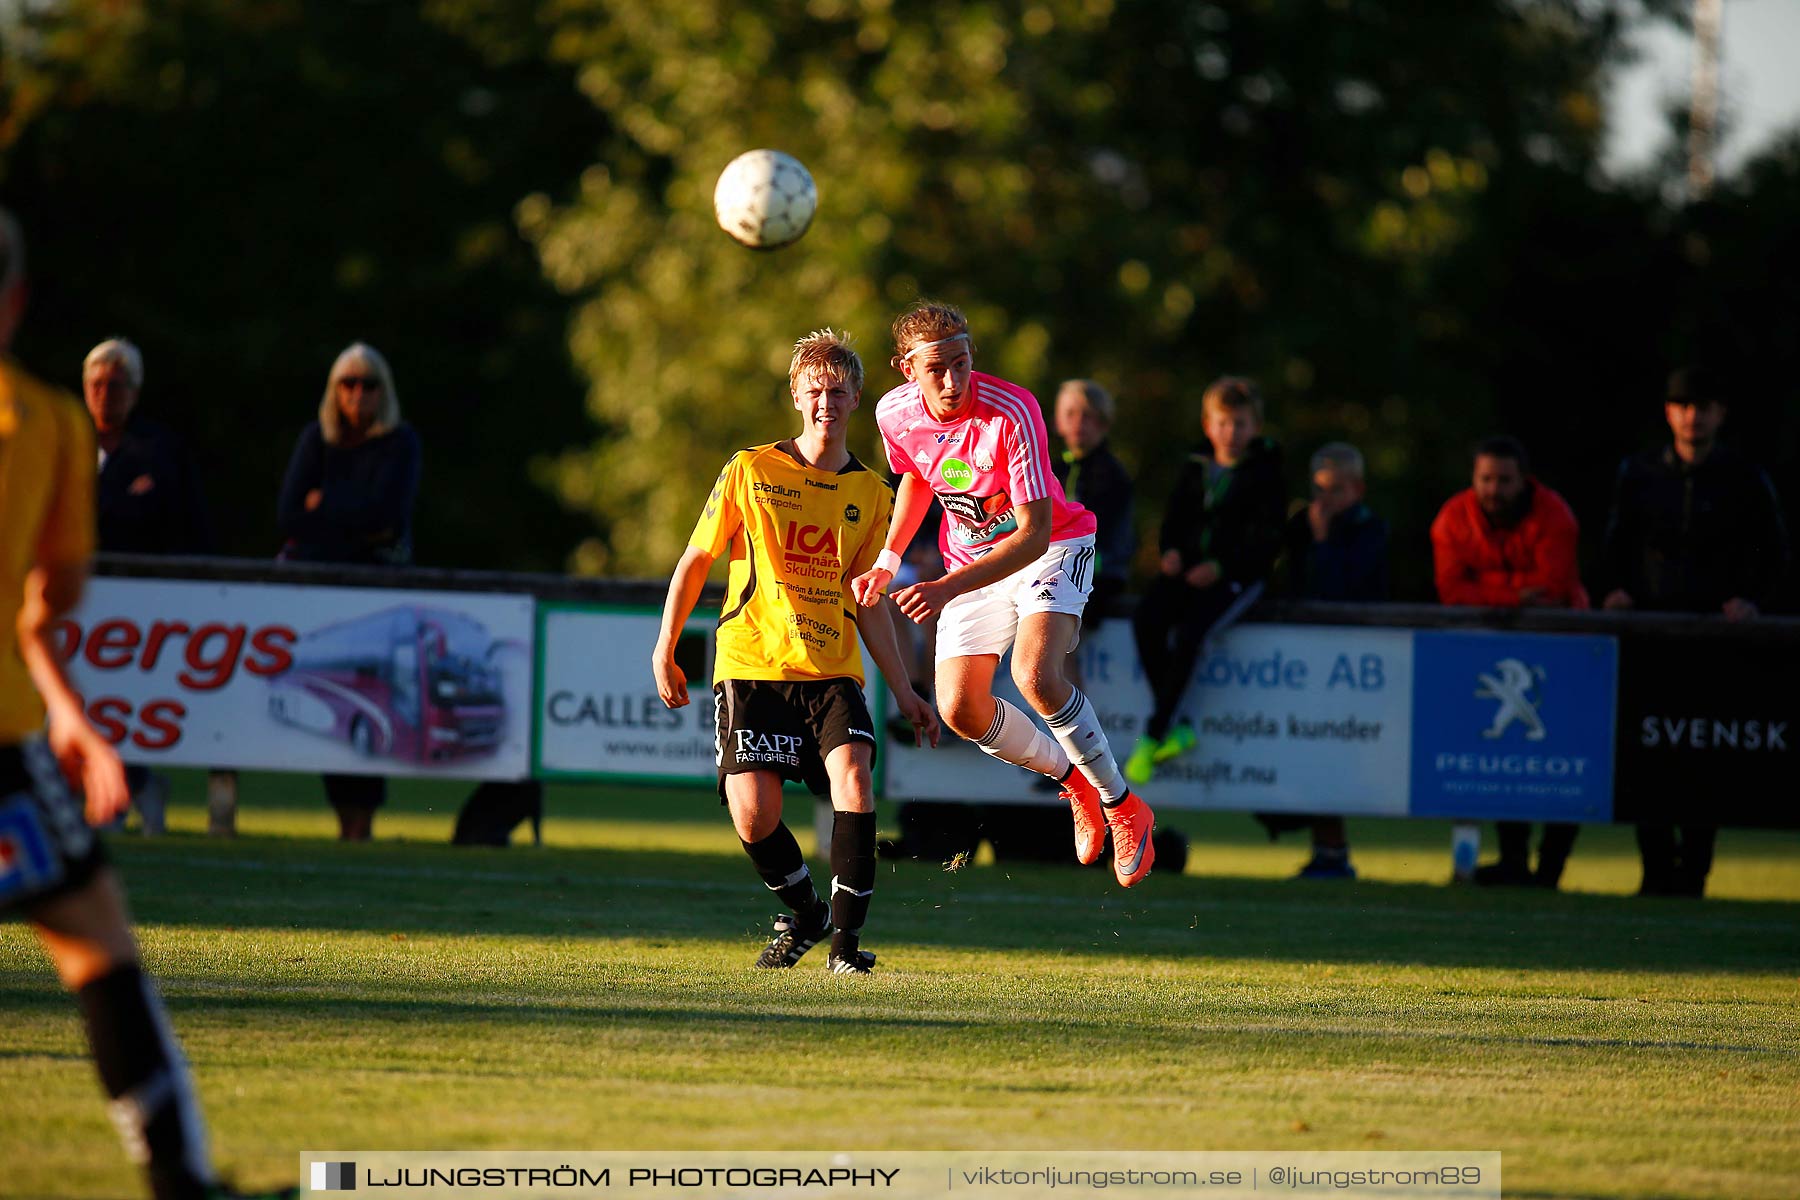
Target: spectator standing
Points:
(1697, 528)
(148, 497)
(1219, 538)
(1509, 541)
(348, 498)
(149, 492)
(1335, 549)
(1094, 478)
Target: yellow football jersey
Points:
(46, 517)
(797, 536)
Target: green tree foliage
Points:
(1387, 211)
(1150, 193)
(246, 189)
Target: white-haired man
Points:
(149, 492)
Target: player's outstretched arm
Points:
(86, 758)
(1018, 549)
(877, 628)
(911, 502)
(685, 587)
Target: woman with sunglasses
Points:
(348, 498)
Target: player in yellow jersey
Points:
(799, 517)
(52, 869)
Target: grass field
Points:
(595, 994)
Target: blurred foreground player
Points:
(1021, 565)
(53, 871)
(799, 517)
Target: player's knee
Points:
(86, 932)
(967, 715)
(752, 816)
(1041, 683)
(856, 795)
(80, 959)
(852, 781)
(755, 824)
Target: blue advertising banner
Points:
(1513, 725)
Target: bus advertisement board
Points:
(295, 677)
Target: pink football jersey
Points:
(981, 465)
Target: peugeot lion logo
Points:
(1512, 683)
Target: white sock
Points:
(1077, 727)
(1015, 738)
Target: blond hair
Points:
(1233, 391)
(927, 321)
(1097, 398)
(827, 351)
(387, 416)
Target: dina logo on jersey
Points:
(852, 513)
(957, 473)
(1517, 688)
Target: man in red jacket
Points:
(1505, 542)
(1508, 540)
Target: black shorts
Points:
(787, 727)
(46, 845)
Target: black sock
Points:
(783, 868)
(147, 1081)
(852, 878)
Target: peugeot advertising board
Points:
(1513, 725)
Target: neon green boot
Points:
(1181, 739)
(1142, 763)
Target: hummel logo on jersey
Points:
(862, 733)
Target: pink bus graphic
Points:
(413, 683)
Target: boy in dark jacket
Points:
(1335, 549)
(1219, 538)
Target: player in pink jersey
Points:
(1020, 559)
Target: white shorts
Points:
(986, 620)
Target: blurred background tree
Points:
(1390, 212)
(1329, 198)
(244, 190)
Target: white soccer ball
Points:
(765, 199)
